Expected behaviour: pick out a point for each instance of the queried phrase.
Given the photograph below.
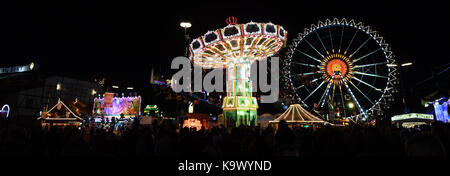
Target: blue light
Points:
(441, 111)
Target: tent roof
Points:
(67, 108)
(296, 113)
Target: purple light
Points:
(129, 106)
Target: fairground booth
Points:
(296, 115)
(197, 120)
(412, 120)
(120, 108)
(60, 115)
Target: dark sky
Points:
(122, 40)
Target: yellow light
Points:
(31, 65)
(185, 24)
(351, 105)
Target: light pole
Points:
(400, 67)
(402, 84)
(186, 25)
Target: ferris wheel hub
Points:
(336, 65)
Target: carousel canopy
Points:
(237, 43)
(296, 113)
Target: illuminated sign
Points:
(412, 116)
(18, 69)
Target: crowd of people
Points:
(168, 139)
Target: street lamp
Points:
(115, 87)
(406, 64)
(185, 25)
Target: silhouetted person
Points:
(424, 145)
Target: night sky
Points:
(123, 40)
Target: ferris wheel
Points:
(342, 65)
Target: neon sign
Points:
(412, 116)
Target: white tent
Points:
(297, 114)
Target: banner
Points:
(108, 99)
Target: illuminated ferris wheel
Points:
(342, 65)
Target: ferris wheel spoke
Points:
(351, 55)
(332, 95)
(307, 55)
(342, 99)
(368, 65)
(362, 57)
(362, 93)
(314, 80)
(357, 102)
(367, 84)
(309, 73)
(331, 39)
(320, 39)
(354, 98)
(314, 48)
(342, 35)
(308, 65)
(299, 87)
(368, 74)
(327, 91)
(351, 41)
(320, 85)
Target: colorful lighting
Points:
(235, 47)
(129, 106)
(324, 57)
